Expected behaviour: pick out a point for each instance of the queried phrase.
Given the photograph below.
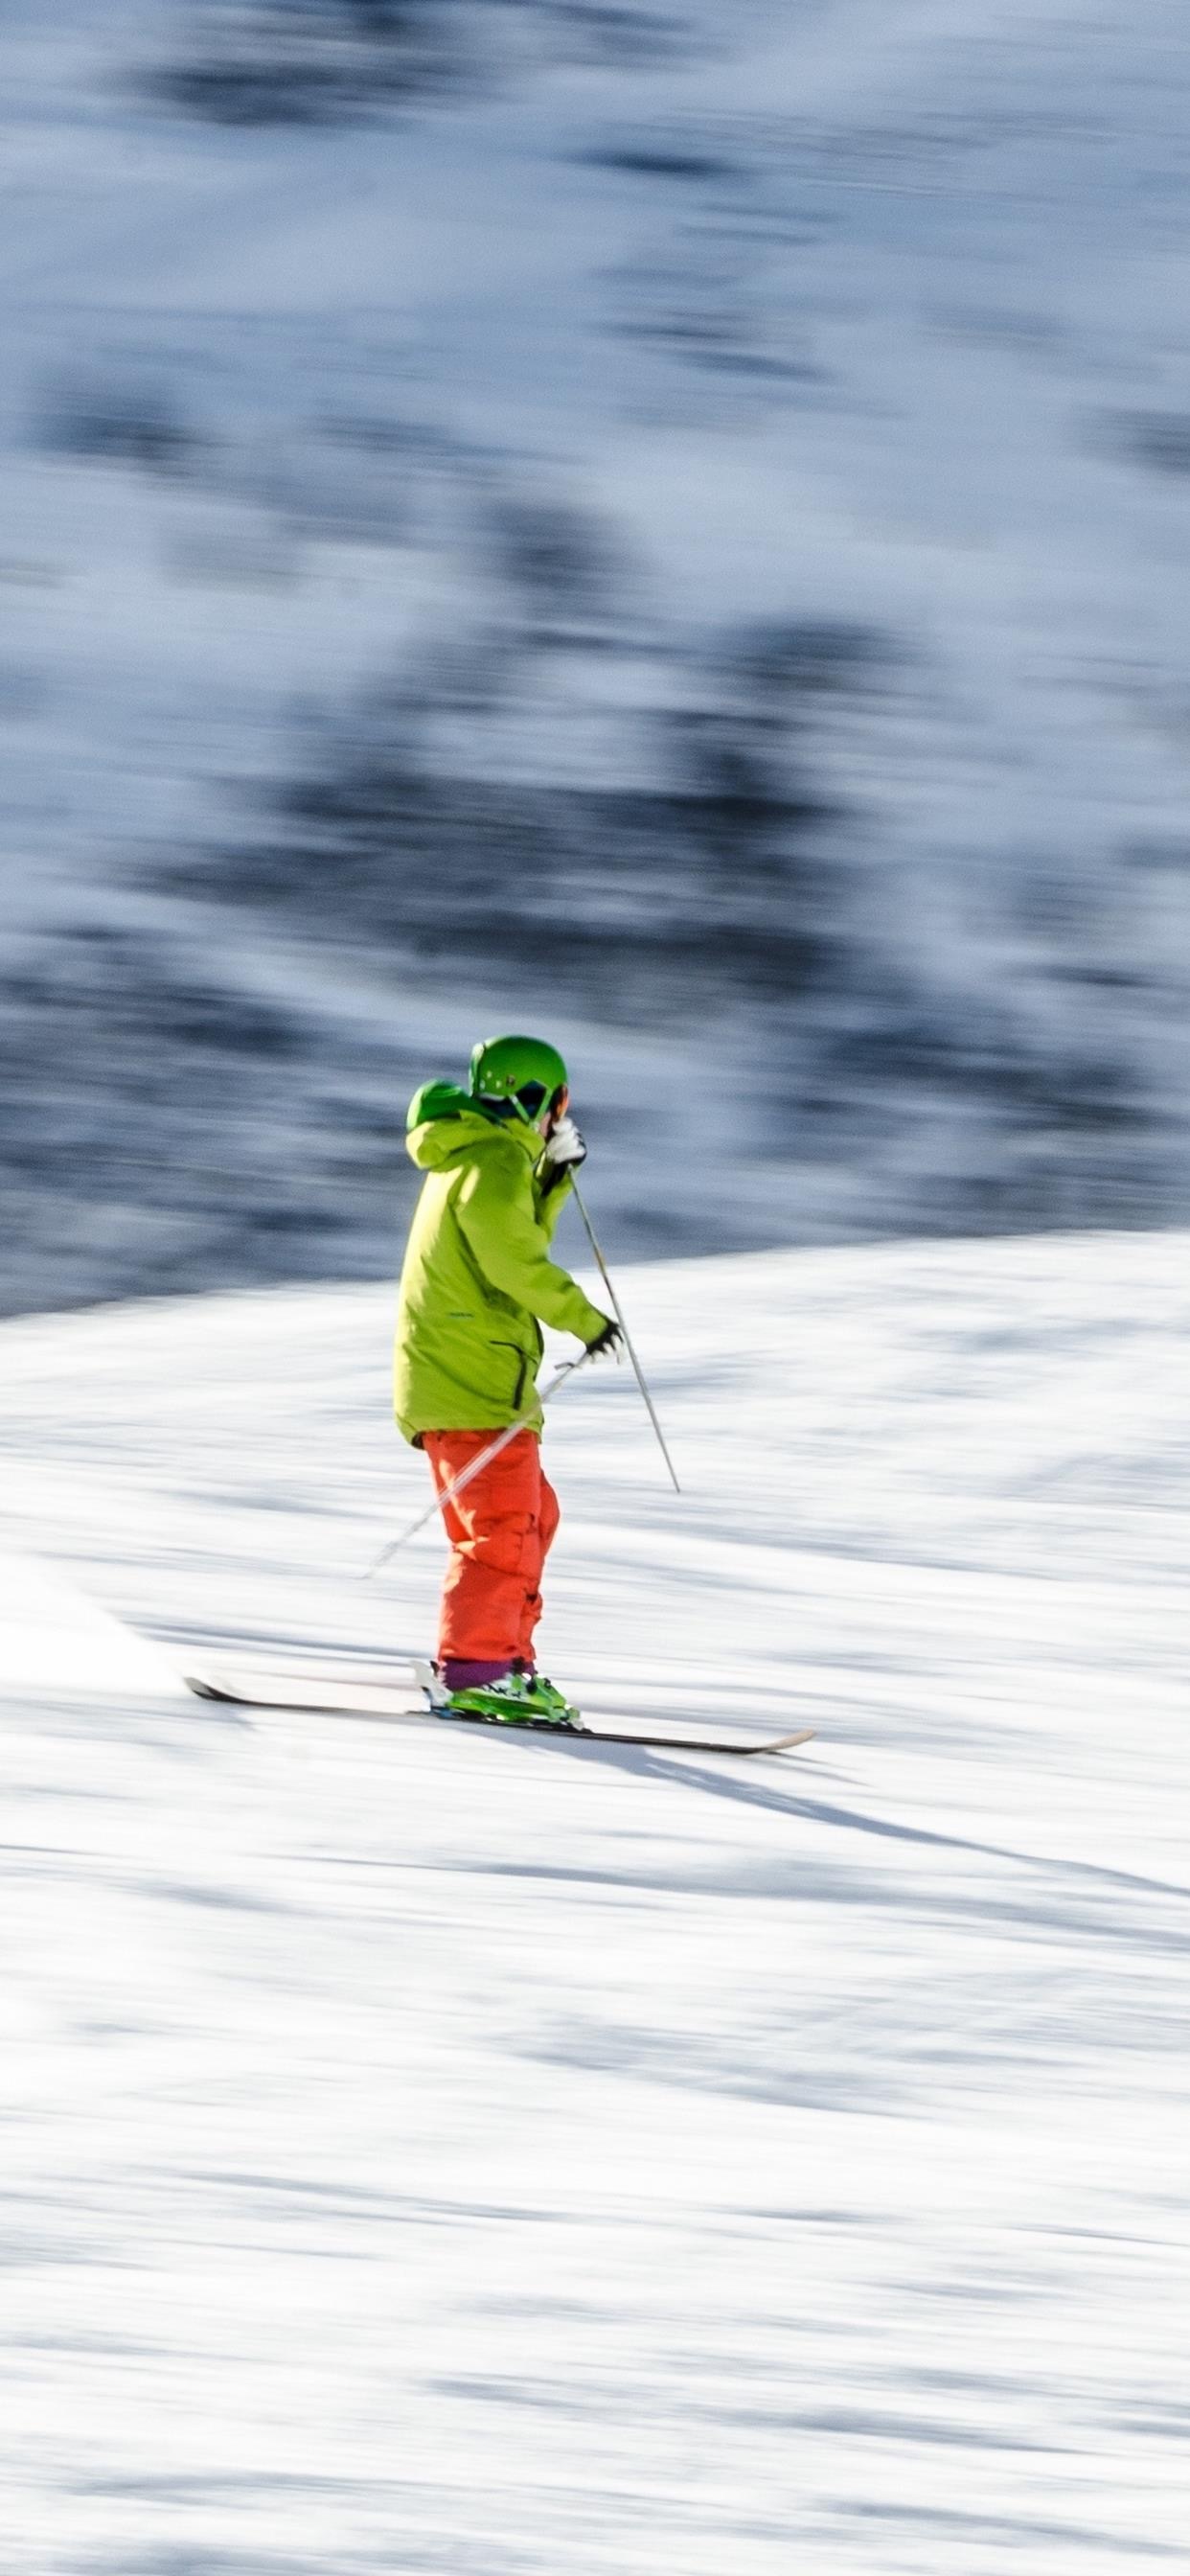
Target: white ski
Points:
(313, 1694)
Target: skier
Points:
(477, 1284)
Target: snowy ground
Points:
(474, 2158)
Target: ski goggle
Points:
(528, 1102)
(532, 1098)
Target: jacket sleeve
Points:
(550, 1203)
(496, 1212)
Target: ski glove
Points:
(565, 1149)
(608, 1340)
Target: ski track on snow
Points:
(477, 2156)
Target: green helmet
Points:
(522, 1074)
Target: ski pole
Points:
(618, 1311)
(477, 1465)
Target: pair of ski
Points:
(372, 1694)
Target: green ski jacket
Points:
(478, 1280)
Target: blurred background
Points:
(662, 525)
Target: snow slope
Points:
(480, 2158)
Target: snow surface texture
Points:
(676, 518)
(479, 2158)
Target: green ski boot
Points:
(549, 1692)
(518, 1699)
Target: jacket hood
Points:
(445, 1125)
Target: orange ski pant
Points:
(501, 1528)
